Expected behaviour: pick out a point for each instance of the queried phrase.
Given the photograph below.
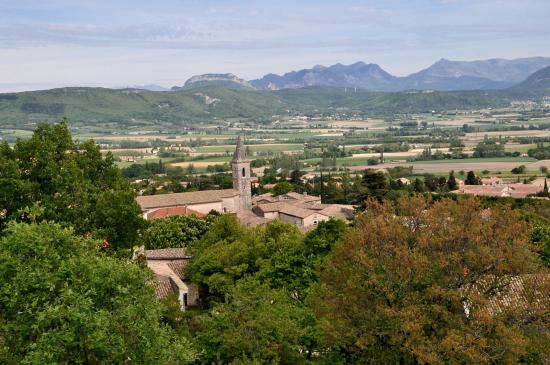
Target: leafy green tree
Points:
(413, 284)
(72, 181)
(175, 231)
(419, 186)
(230, 252)
(282, 188)
(259, 280)
(489, 148)
(256, 325)
(376, 184)
(540, 236)
(431, 182)
(519, 170)
(62, 301)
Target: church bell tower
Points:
(240, 167)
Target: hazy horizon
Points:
(121, 43)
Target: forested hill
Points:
(132, 106)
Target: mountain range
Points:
(124, 109)
(444, 75)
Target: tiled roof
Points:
(178, 267)
(302, 197)
(171, 211)
(296, 211)
(294, 195)
(271, 207)
(164, 287)
(267, 197)
(502, 190)
(249, 219)
(167, 254)
(516, 292)
(302, 210)
(339, 211)
(195, 197)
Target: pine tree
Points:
(471, 179)
(451, 183)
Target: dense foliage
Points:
(63, 301)
(396, 290)
(175, 231)
(391, 290)
(541, 152)
(71, 183)
(257, 282)
(489, 148)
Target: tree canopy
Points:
(73, 184)
(63, 301)
(413, 282)
(175, 231)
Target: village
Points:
(299, 209)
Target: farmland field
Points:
(444, 166)
(281, 147)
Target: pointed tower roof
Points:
(240, 150)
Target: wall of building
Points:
(192, 293)
(271, 215)
(231, 205)
(242, 183)
(303, 222)
(310, 221)
(291, 219)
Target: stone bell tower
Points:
(240, 167)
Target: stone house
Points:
(169, 267)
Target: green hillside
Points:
(93, 105)
(132, 107)
(327, 98)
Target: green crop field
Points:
(523, 148)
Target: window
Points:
(315, 222)
(244, 172)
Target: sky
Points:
(115, 43)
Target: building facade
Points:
(240, 167)
(234, 200)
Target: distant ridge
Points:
(366, 76)
(149, 87)
(228, 80)
(443, 75)
(537, 82)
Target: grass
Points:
(522, 148)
